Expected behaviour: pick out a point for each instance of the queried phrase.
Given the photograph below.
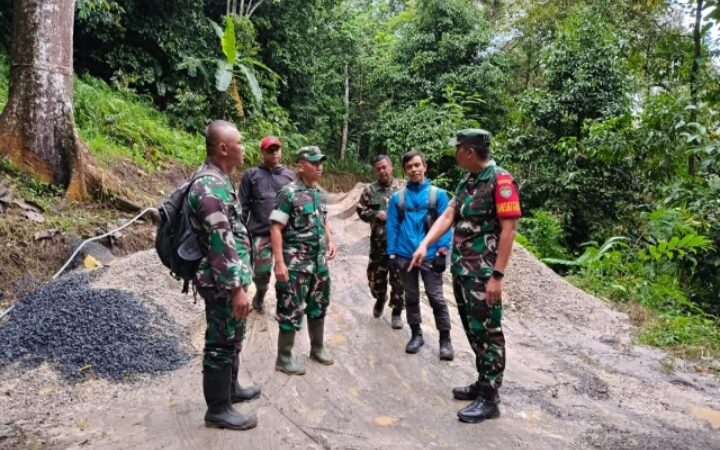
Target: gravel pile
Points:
(80, 330)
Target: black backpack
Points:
(176, 240)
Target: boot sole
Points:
(469, 420)
(412, 351)
(240, 400)
(223, 425)
(283, 370)
(448, 358)
(323, 362)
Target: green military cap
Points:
(471, 136)
(312, 153)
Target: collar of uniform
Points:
(389, 184)
(211, 165)
(487, 171)
(303, 186)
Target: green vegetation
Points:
(117, 124)
(606, 111)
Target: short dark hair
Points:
(379, 158)
(410, 155)
(481, 150)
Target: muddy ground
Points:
(575, 377)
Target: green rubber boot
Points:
(316, 330)
(285, 362)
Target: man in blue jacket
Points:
(410, 215)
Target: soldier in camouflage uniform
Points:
(301, 243)
(222, 276)
(484, 213)
(258, 189)
(372, 208)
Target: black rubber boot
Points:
(237, 392)
(416, 340)
(469, 392)
(484, 407)
(316, 330)
(379, 306)
(285, 361)
(396, 319)
(220, 413)
(259, 297)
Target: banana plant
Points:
(225, 79)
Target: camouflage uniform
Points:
(374, 199)
(302, 210)
(480, 201)
(216, 215)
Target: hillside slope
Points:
(574, 379)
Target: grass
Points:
(121, 124)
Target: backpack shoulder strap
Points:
(401, 204)
(432, 202)
(432, 197)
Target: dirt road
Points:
(574, 378)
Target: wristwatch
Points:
(498, 274)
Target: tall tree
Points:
(37, 128)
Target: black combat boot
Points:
(379, 306)
(484, 407)
(416, 340)
(469, 392)
(446, 350)
(220, 413)
(396, 319)
(237, 392)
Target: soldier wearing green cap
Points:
(484, 214)
(301, 244)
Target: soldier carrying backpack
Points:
(201, 228)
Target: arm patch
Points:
(507, 197)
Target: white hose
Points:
(77, 250)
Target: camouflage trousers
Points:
(224, 334)
(304, 293)
(378, 273)
(482, 327)
(262, 260)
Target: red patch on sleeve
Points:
(507, 197)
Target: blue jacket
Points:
(403, 238)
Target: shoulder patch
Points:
(507, 197)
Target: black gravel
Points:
(83, 331)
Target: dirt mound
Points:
(575, 378)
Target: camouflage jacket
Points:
(302, 211)
(215, 214)
(480, 201)
(375, 198)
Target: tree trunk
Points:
(37, 128)
(346, 117)
(697, 53)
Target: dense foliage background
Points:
(606, 111)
